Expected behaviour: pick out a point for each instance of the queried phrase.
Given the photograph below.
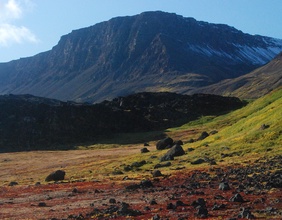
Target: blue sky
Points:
(28, 27)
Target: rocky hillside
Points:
(152, 51)
(253, 85)
(28, 122)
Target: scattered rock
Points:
(213, 132)
(138, 164)
(117, 172)
(42, 204)
(199, 202)
(236, 198)
(164, 143)
(190, 149)
(160, 165)
(179, 142)
(13, 183)
(56, 176)
(146, 184)
(218, 207)
(170, 206)
(198, 161)
(203, 136)
(166, 158)
(153, 202)
(224, 186)
(75, 190)
(156, 217)
(157, 173)
(112, 200)
(179, 203)
(126, 211)
(144, 150)
(175, 151)
(264, 126)
(127, 168)
(202, 212)
(246, 213)
(191, 140)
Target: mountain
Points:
(31, 123)
(253, 85)
(152, 51)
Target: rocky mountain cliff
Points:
(152, 51)
(252, 85)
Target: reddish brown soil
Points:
(89, 200)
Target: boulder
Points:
(176, 151)
(203, 136)
(56, 176)
(144, 150)
(13, 183)
(157, 173)
(164, 143)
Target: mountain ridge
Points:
(152, 51)
(253, 85)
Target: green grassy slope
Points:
(239, 132)
(239, 139)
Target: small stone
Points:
(112, 200)
(198, 161)
(236, 198)
(153, 202)
(144, 150)
(13, 183)
(75, 190)
(179, 203)
(156, 217)
(224, 186)
(157, 173)
(42, 204)
(202, 212)
(170, 206)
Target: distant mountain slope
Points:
(152, 51)
(28, 122)
(253, 85)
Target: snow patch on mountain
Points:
(245, 53)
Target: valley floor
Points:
(192, 193)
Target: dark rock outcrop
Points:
(32, 123)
